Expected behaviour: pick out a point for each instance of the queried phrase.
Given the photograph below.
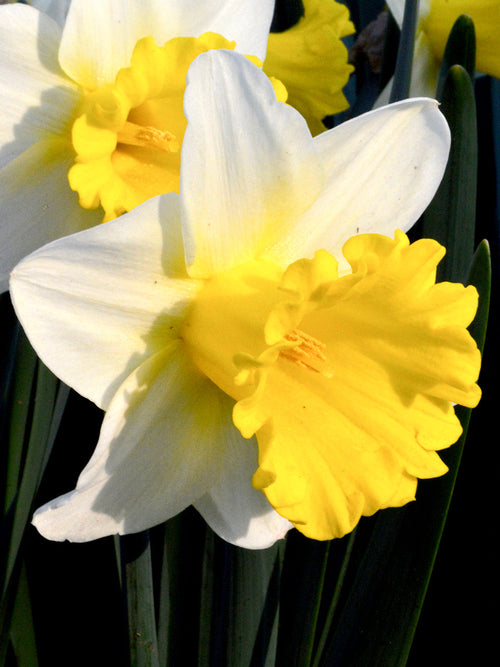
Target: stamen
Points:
(149, 137)
(308, 353)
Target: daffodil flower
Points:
(311, 60)
(245, 364)
(91, 115)
(99, 102)
(436, 19)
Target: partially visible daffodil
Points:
(436, 19)
(311, 60)
(99, 101)
(91, 119)
(222, 356)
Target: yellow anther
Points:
(307, 353)
(149, 137)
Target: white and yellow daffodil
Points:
(436, 19)
(91, 118)
(266, 389)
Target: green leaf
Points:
(450, 218)
(254, 606)
(480, 277)
(402, 72)
(19, 403)
(7, 603)
(42, 431)
(9, 333)
(22, 631)
(333, 604)
(239, 605)
(302, 585)
(37, 401)
(460, 50)
(183, 546)
(137, 582)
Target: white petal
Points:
(161, 446)
(383, 169)
(233, 508)
(249, 166)
(247, 23)
(38, 205)
(99, 35)
(37, 98)
(97, 304)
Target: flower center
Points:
(148, 137)
(128, 135)
(245, 320)
(308, 352)
(224, 330)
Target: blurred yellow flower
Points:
(311, 60)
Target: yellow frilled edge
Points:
(348, 383)
(128, 135)
(311, 60)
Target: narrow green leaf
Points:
(41, 439)
(460, 50)
(18, 406)
(450, 218)
(181, 587)
(301, 592)
(208, 588)
(7, 602)
(9, 333)
(137, 576)
(480, 277)
(239, 604)
(266, 642)
(253, 605)
(328, 624)
(22, 632)
(402, 72)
